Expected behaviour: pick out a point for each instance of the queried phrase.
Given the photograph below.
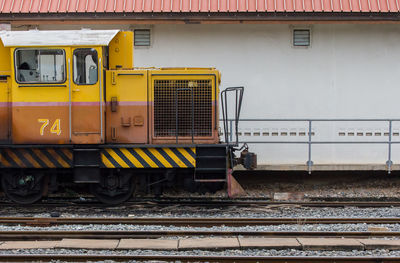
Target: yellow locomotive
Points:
(72, 103)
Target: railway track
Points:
(246, 203)
(204, 222)
(51, 234)
(212, 202)
(190, 258)
(60, 234)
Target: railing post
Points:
(389, 161)
(309, 162)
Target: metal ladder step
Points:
(210, 157)
(85, 150)
(209, 180)
(210, 169)
(88, 165)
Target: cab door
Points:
(86, 94)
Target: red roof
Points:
(194, 6)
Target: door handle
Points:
(75, 90)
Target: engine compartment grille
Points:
(174, 101)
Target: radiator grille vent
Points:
(166, 108)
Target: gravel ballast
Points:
(237, 252)
(267, 228)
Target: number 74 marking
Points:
(55, 128)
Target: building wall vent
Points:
(142, 37)
(301, 37)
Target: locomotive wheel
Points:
(23, 188)
(114, 189)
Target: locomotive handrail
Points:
(130, 74)
(70, 100)
(389, 163)
(238, 93)
(42, 86)
(101, 99)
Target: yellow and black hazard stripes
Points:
(180, 157)
(54, 157)
(36, 158)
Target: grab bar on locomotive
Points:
(247, 159)
(238, 93)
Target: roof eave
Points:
(203, 17)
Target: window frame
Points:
(41, 82)
(73, 66)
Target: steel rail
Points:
(224, 203)
(275, 203)
(188, 258)
(60, 234)
(44, 221)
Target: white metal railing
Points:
(310, 142)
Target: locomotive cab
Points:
(72, 103)
(56, 86)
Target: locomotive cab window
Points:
(85, 66)
(40, 65)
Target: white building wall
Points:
(350, 71)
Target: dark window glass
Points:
(40, 65)
(85, 66)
